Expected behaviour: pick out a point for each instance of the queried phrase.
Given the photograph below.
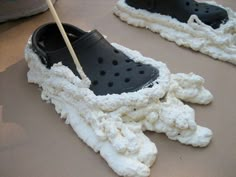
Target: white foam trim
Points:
(113, 124)
(218, 43)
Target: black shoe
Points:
(110, 70)
(211, 15)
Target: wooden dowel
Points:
(67, 41)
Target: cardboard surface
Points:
(39, 144)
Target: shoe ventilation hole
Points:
(110, 84)
(207, 9)
(115, 62)
(127, 80)
(116, 74)
(102, 73)
(127, 61)
(187, 3)
(129, 69)
(196, 4)
(95, 82)
(116, 51)
(141, 72)
(100, 60)
(139, 65)
(196, 10)
(150, 86)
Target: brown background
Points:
(36, 143)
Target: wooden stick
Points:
(67, 41)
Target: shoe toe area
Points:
(213, 16)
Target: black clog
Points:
(211, 15)
(110, 70)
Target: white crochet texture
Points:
(218, 43)
(113, 124)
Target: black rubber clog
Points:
(110, 70)
(182, 9)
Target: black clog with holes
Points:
(206, 27)
(110, 70)
(183, 9)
